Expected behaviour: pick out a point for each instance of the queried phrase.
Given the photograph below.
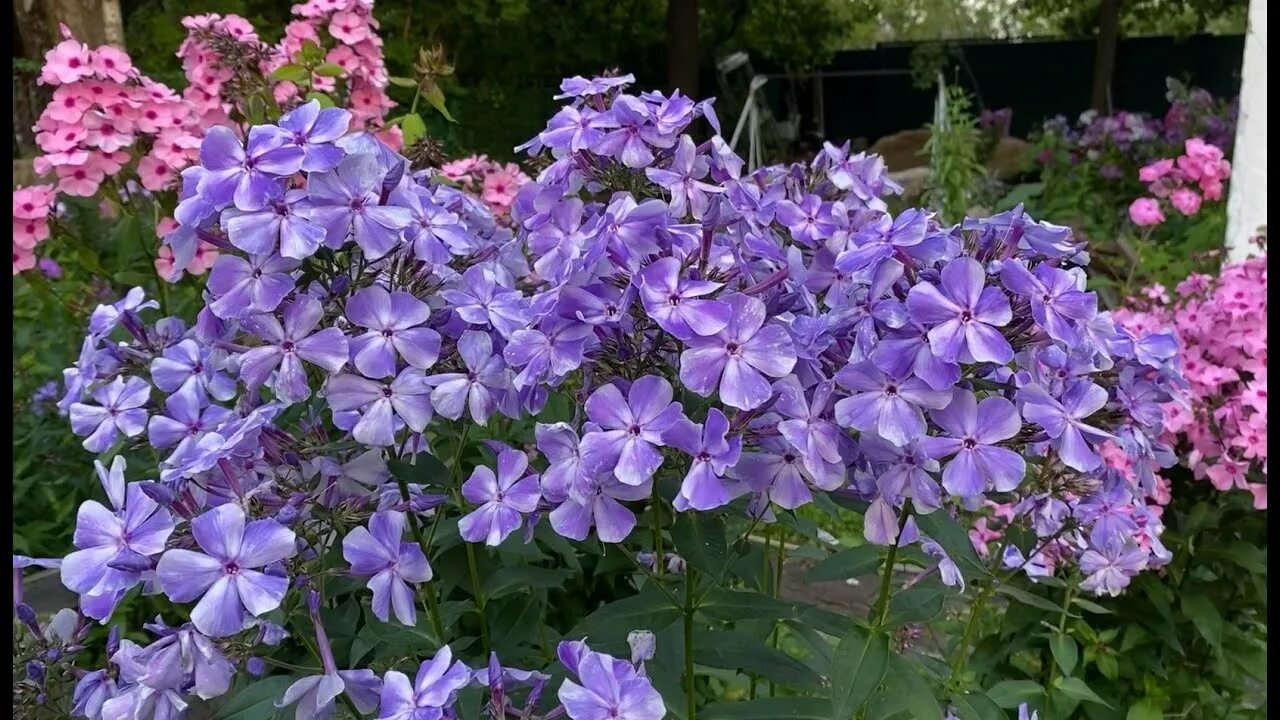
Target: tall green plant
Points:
(956, 172)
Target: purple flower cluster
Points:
(758, 336)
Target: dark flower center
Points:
(286, 346)
(891, 390)
(257, 272)
(231, 568)
(704, 456)
(387, 333)
(673, 299)
(386, 392)
(970, 443)
(732, 348)
(634, 429)
(966, 316)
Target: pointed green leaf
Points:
(329, 70)
(947, 532)
(700, 540)
(1029, 598)
(291, 73)
(608, 625)
(1090, 606)
(1076, 689)
(976, 706)
(254, 699)
(403, 82)
(1065, 652)
(413, 128)
(744, 653)
(1144, 709)
(789, 708)
(435, 96)
(850, 563)
(1012, 693)
(860, 663)
(917, 604)
(1205, 617)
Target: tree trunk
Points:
(682, 46)
(1247, 201)
(93, 22)
(1104, 60)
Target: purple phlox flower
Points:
(558, 443)
(475, 390)
(1053, 368)
(884, 404)
(739, 356)
(314, 129)
(225, 577)
(627, 142)
(906, 351)
(315, 696)
(628, 229)
(811, 220)
(1141, 398)
(595, 304)
(593, 501)
(379, 554)
(676, 303)
(407, 398)
(187, 368)
(1040, 565)
(184, 422)
(119, 410)
(1111, 566)
(972, 430)
(756, 204)
(775, 471)
(578, 86)
(281, 220)
(630, 428)
(1156, 350)
(287, 344)
(705, 487)
(235, 438)
(551, 352)
(136, 700)
(964, 314)
(903, 472)
(77, 378)
(1026, 713)
(947, 568)
(1108, 513)
(346, 202)
(115, 547)
(435, 688)
(501, 497)
(882, 238)
(91, 692)
(437, 233)
(670, 115)
(606, 688)
(357, 477)
(392, 320)
(1057, 302)
(244, 287)
(479, 300)
(574, 129)
(559, 243)
(683, 179)
(183, 657)
(808, 428)
(248, 178)
(1063, 420)
(880, 526)
(105, 318)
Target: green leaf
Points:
(859, 665)
(735, 605)
(647, 610)
(403, 82)
(788, 708)
(851, 563)
(421, 469)
(948, 533)
(1012, 693)
(700, 539)
(329, 70)
(744, 653)
(910, 691)
(310, 53)
(1065, 652)
(290, 73)
(1144, 709)
(1205, 617)
(1091, 606)
(435, 96)
(254, 699)
(413, 128)
(917, 604)
(324, 100)
(976, 706)
(1076, 689)
(1030, 598)
(519, 577)
(1020, 194)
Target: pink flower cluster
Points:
(357, 50)
(102, 108)
(207, 74)
(1221, 324)
(496, 184)
(32, 207)
(1203, 167)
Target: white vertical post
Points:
(1247, 201)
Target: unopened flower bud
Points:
(255, 666)
(643, 645)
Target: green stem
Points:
(691, 704)
(1053, 661)
(779, 564)
(655, 515)
(433, 607)
(886, 579)
(652, 578)
(961, 653)
(478, 592)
